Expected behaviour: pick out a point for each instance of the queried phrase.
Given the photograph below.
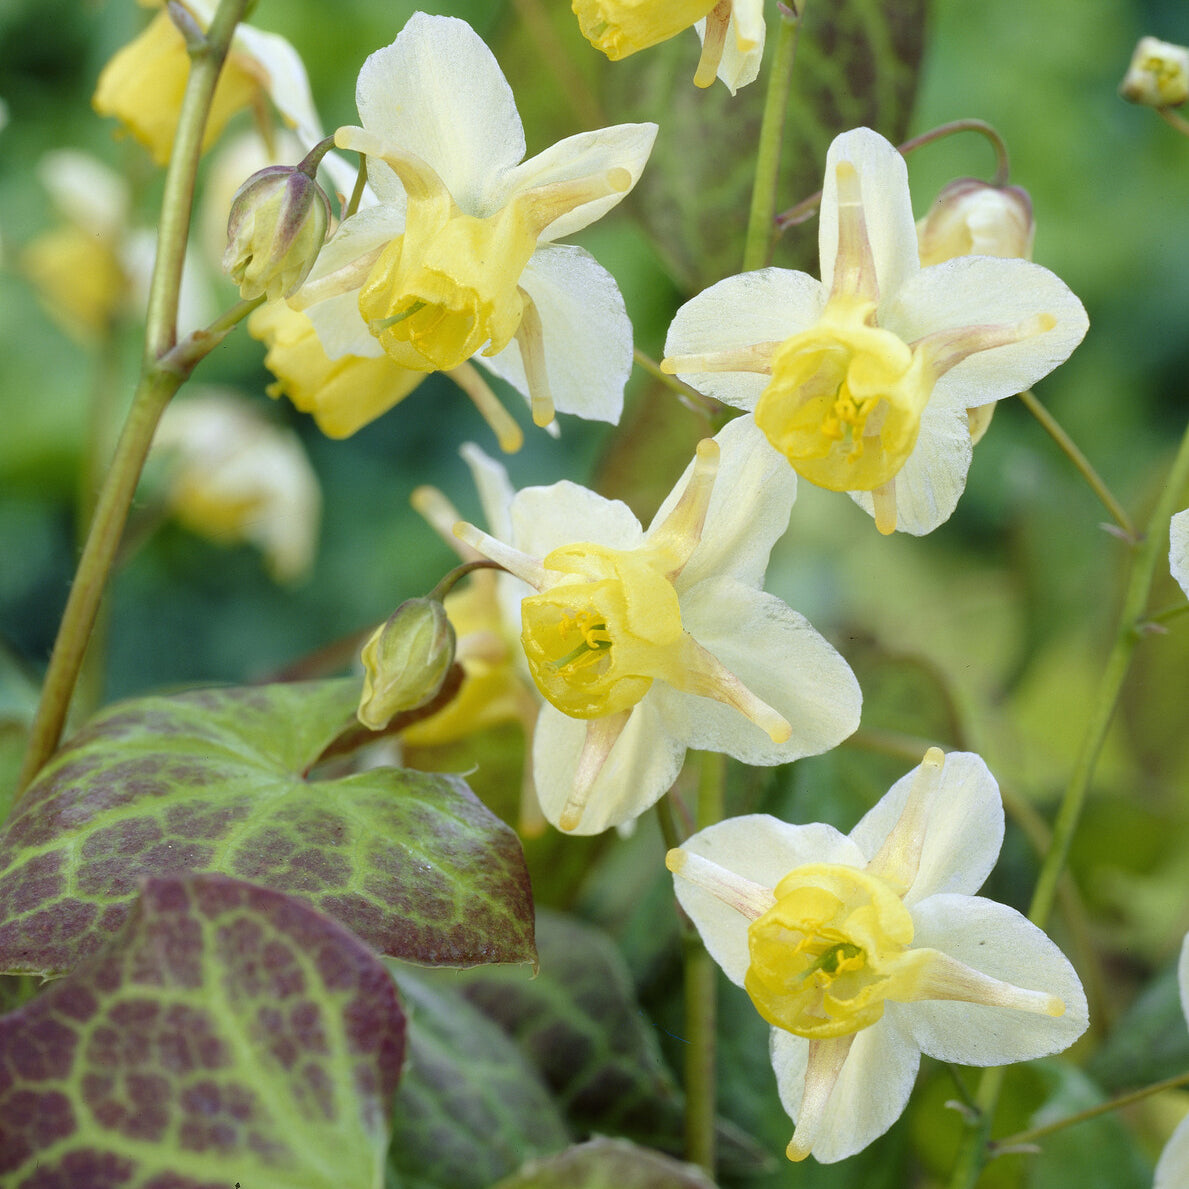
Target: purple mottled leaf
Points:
(229, 1034)
(217, 781)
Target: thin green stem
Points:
(1174, 119)
(690, 397)
(1084, 467)
(761, 220)
(160, 379)
(1034, 1133)
(701, 997)
(973, 1151)
(1168, 614)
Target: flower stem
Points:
(1174, 119)
(1053, 428)
(973, 1151)
(701, 997)
(160, 379)
(761, 220)
(1091, 1112)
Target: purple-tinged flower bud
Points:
(973, 218)
(278, 223)
(1158, 75)
(405, 662)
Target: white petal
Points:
(871, 1092)
(1172, 1170)
(931, 482)
(288, 85)
(989, 291)
(738, 67)
(587, 333)
(545, 518)
(781, 659)
(887, 209)
(963, 827)
(1183, 976)
(641, 768)
(438, 92)
(1178, 549)
(86, 192)
(767, 305)
(624, 146)
(996, 940)
(495, 490)
(760, 848)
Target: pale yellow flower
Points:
(1158, 75)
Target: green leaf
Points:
(229, 1034)
(470, 1108)
(608, 1164)
(216, 780)
(579, 1024)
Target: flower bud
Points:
(1158, 75)
(973, 218)
(405, 661)
(278, 223)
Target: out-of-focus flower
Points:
(143, 84)
(235, 476)
(862, 380)
(405, 662)
(865, 950)
(973, 218)
(278, 224)
(457, 256)
(1158, 75)
(644, 644)
(1172, 1169)
(1178, 549)
(731, 31)
(95, 266)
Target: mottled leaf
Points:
(580, 1026)
(608, 1164)
(857, 63)
(217, 780)
(229, 1034)
(470, 1108)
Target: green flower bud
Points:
(278, 223)
(405, 662)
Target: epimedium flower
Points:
(1172, 1169)
(1178, 549)
(644, 643)
(862, 380)
(142, 85)
(731, 32)
(458, 255)
(865, 950)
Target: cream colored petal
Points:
(1183, 976)
(545, 518)
(988, 291)
(962, 826)
(587, 333)
(764, 850)
(869, 1096)
(764, 306)
(86, 191)
(887, 209)
(639, 771)
(288, 84)
(1172, 1169)
(624, 146)
(995, 940)
(744, 50)
(438, 92)
(1178, 549)
(749, 508)
(495, 490)
(780, 658)
(931, 482)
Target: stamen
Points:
(378, 324)
(746, 897)
(854, 263)
(884, 499)
(507, 433)
(601, 735)
(714, 41)
(530, 337)
(679, 535)
(527, 569)
(826, 1059)
(754, 358)
(899, 858)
